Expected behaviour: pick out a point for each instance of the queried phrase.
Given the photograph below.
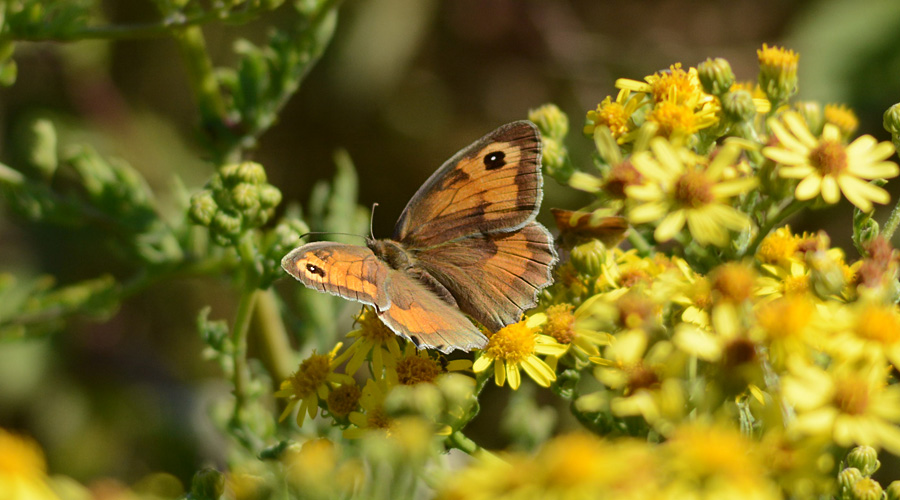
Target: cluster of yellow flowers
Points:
(747, 357)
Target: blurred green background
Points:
(404, 85)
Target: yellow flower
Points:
(778, 247)
(788, 325)
(715, 461)
(23, 471)
(568, 467)
(372, 337)
(842, 117)
(777, 73)
(417, 366)
(575, 328)
(615, 115)
(680, 107)
(866, 328)
(311, 382)
(827, 167)
(680, 190)
(637, 373)
(848, 403)
(516, 347)
(372, 416)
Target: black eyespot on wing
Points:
(494, 160)
(315, 270)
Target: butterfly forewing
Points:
(350, 271)
(492, 185)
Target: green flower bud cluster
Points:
(554, 126)
(276, 243)
(235, 200)
(855, 482)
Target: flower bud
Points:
(864, 458)
(866, 489)
(892, 123)
(715, 76)
(269, 196)
(553, 157)
(893, 491)
(847, 478)
(777, 73)
(738, 106)
(842, 117)
(245, 196)
(811, 111)
(227, 223)
(251, 172)
(588, 258)
(207, 484)
(203, 208)
(551, 121)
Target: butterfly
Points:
(467, 242)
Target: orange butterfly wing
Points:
(494, 277)
(492, 185)
(403, 303)
(471, 226)
(348, 271)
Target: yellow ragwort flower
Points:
(826, 166)
(515, 347)
(576, 328)
(615, 115)
(778, 72)
(848, 403)
(842, 117)
(23, 470)
(716, 461)
(372, 337)
(416, 366)
(679, 190)
(311, 382)
(372, 415)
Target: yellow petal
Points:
(808, 188)
(670, 226)
(831, 193)
(482, 363)
(499, 372)
(512, 373)
(538, 370)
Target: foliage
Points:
(716, 353)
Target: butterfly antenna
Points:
(372, 221)
(304, 235)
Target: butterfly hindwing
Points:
(494, 277)
(492, 185)
(422, 317)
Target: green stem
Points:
(161, 28)
(637, 241)
(462, 442)
(205, 86)
(893, 221)
(275, 345)
(241, 376)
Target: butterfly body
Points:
(467, 242)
